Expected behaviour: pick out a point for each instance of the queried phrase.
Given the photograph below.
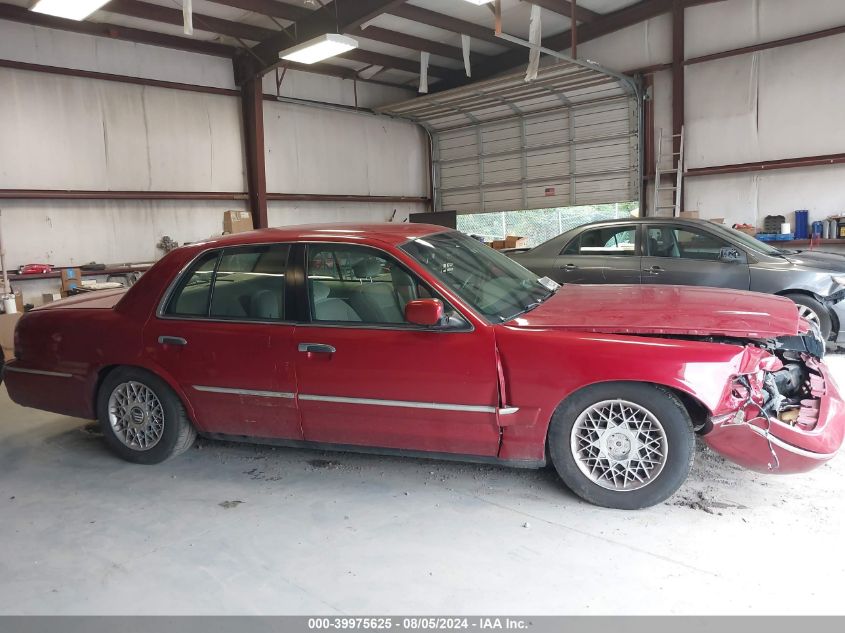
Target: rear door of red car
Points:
(221, 334)
(366, 377)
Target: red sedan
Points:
(414, 339)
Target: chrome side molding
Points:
(245, 392)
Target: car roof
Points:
(393, 233)
(649, 220)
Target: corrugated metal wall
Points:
(61, 132)
(779, 103)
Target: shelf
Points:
(57, 274)
(777, 243)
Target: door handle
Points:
(654, 270)
(316, 348)
(569, 267)
(172, 340)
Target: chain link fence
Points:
(540, 225)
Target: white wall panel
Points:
(778, 103)
(70, 133)
(750, 197)
(74, 232)
(637, 46)
(292, 213)
(37, 45)
(300, 85)
(722, 26)
(317, 150)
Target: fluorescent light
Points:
(480, 2)
(70, 9)
(319, 48)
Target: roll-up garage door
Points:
(568, 138)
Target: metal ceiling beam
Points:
(447, 23)
(281, 10)
(339, 16)
(167, 15)
(114, 31)
(608, 23)
(386, 36)
(563, 7)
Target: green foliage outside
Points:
(541, 224)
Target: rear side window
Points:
(242, 284)
(190, 298)
(615, 240)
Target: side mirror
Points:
(427, 312)
(729, 254)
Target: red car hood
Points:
(666, 310)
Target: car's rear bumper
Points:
(56, 391)
(777, 447)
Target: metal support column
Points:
(252, 103)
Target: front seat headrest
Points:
(264, 305)
(320, 290)
(367, 268)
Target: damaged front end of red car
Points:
(781, 412)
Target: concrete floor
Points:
(236, 529)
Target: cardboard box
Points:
(497, 244)
(237, 221)
(717, 220)
(689, 215)
(513, 241)
(7, 334)
(71, 278)
(748, 231)
(49, 297)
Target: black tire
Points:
(810, 303)
(663, 405)
(178, 433)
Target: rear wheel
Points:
(622, 445)
(141, 418)
(814, 312)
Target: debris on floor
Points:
(230, 504)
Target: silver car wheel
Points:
(809, 314)
(619, 445)
(136, 415)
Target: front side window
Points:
(491, 283)
(614, 240)
(674, 241)
(243, 283)
(355, 284)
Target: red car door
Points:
(221, 335)
(366, 377)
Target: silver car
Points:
(695, 253)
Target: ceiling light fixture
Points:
(70, 9)
(319, 48)
(480, 2)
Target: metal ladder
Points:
(673, 168)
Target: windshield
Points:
(490, 282)
(749, 241)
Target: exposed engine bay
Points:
(772, 409)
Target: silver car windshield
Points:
(488, 281)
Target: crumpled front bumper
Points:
(772, 446)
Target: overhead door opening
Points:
(568, 140)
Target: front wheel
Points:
(814, 312)
(622, 445)
(141, 418)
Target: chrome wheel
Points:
(809, 314)
(619, 445)
(136, 415)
